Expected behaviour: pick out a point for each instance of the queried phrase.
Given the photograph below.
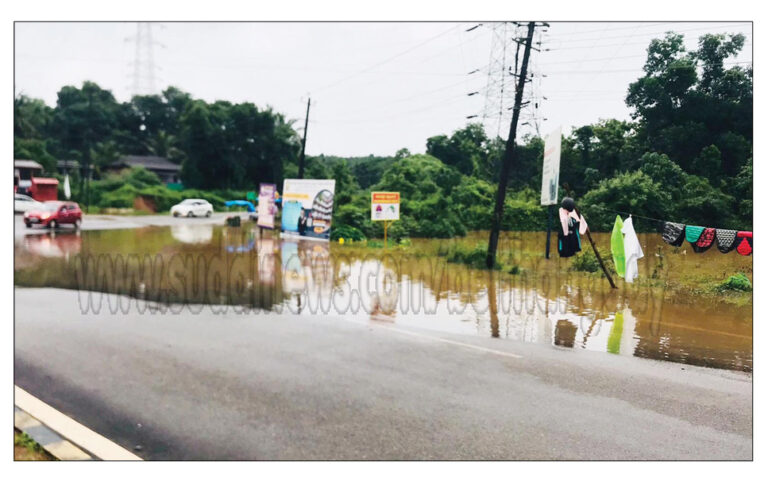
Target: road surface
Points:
(266, 386)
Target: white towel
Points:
(632, 250)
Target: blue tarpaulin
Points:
(242, 203)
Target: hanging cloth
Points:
(726, 240)
(565, 216)
(632, 250)
(617, 246)
(568, 240)
(706, 239)
(744, 240)
(693, 232)
(673, 233)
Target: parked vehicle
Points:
(192, 208)
(24, 203)
(55, 213)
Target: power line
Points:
(387, 60)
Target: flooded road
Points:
(240, 271)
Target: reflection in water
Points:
(565, 334)
(54, 244)
(188, 233)
(548, 304)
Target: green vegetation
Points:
(586, 261)
(348, 233)
(686, 155)
(738, 282)
(25, 448)
(474, 257)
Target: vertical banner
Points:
(307, 208)
(266, 206)
(385, 206)
(550, 171)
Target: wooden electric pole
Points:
(304, 141)
(510, 153)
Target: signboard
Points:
(266, 207)
(385, 206)
(550, 171)
(307, 208)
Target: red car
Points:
(54, 213)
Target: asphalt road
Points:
(266, 386)
(100, 222)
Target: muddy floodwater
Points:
(239, 271)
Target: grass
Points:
(24, 448)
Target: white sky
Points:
(375, 87)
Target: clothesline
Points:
(634, 215)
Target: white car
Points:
(192, 208)
(23, 203)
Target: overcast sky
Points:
(375, 87)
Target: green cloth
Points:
(693, 232)
(617, 246)
(614, 338)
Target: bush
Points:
(738, 282)
(474, 257)
(586, 261)
(348, 233)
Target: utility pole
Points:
(304, 141)
(510, 153)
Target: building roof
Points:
(148, 162)
(45, 181)
(26, 164)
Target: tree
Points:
(401, 153)
(633, 192)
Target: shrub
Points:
(586, 261)
(346, 232)
(474, 257)
(738, 282)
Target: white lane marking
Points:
(70, 429)
(440, 340)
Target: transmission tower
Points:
(500, 86)
(531, 115)
(144, 68)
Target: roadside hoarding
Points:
(550, 172)
(307, 208)
(385, 206)
(266, 207)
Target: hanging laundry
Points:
(744, 240)
(568, 240)
(632, 250)
(726, 240)
(617, 246)
(673, 233)
(693, 232)
(706, 239)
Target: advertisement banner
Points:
(266, 207)
(385, 206)
(307, 208)
(550, 172)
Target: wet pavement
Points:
(284, 386)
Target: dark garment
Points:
(744, 240)
(673, 233)
(706, 239)
(726, 240)
(568, 245)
